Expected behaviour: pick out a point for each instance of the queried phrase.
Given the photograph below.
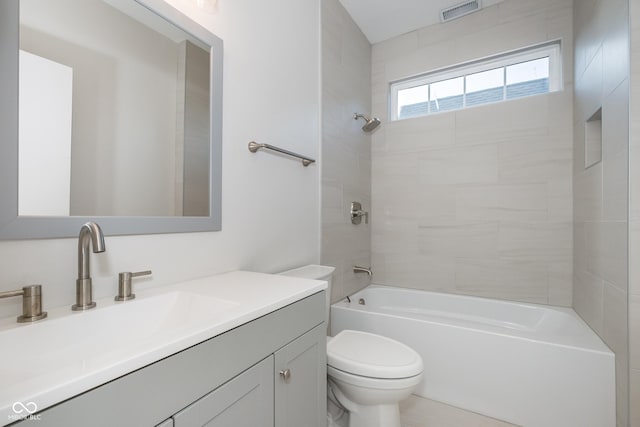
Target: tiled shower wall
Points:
(601, 34)
(476, 201)
(346, 149)
(634, 220)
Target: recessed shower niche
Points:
(593, 139)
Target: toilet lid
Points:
(370, 355)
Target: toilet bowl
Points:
(371, 374)
(368, 374)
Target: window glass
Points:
(485, 87)
(528, 78)
(413, 102)
(447, 95)
(529, 71)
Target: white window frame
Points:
(552, 50)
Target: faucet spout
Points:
(358, 269)
(89, 232)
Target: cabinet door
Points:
(244, 401)
(300, 381)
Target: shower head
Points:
(371, 124)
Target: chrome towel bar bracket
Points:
(254, 146)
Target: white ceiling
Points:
(383, 19)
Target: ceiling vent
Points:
(459, 10)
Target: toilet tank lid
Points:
(371, 355)
(316, 272)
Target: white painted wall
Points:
(270, 213)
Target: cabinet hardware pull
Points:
(285, 374)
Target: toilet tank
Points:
(315, 272)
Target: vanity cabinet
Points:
(251, 400)
(301, 381)
(268, 372)
(245, 401)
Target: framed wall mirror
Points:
(110, 111)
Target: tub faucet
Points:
(89, 231)
(358, 269)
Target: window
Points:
(525, 72)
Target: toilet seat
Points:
(360, 381)
(373, 356)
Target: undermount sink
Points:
(80, 340)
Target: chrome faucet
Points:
(89, 231)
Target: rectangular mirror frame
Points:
(15, 227)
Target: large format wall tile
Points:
(476, 201)
(346, 157)
(634, 219)
(600, 291)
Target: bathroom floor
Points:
(419, 412)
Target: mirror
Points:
(118, 118)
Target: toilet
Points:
(368, 374)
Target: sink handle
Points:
(124, 284)
(31, 302)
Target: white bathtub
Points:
(531, 365)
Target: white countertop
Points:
(69, 353)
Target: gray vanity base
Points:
(238, 371)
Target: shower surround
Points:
(346, 149)
(476, 201)
(600, 284)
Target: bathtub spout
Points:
(358, 269)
